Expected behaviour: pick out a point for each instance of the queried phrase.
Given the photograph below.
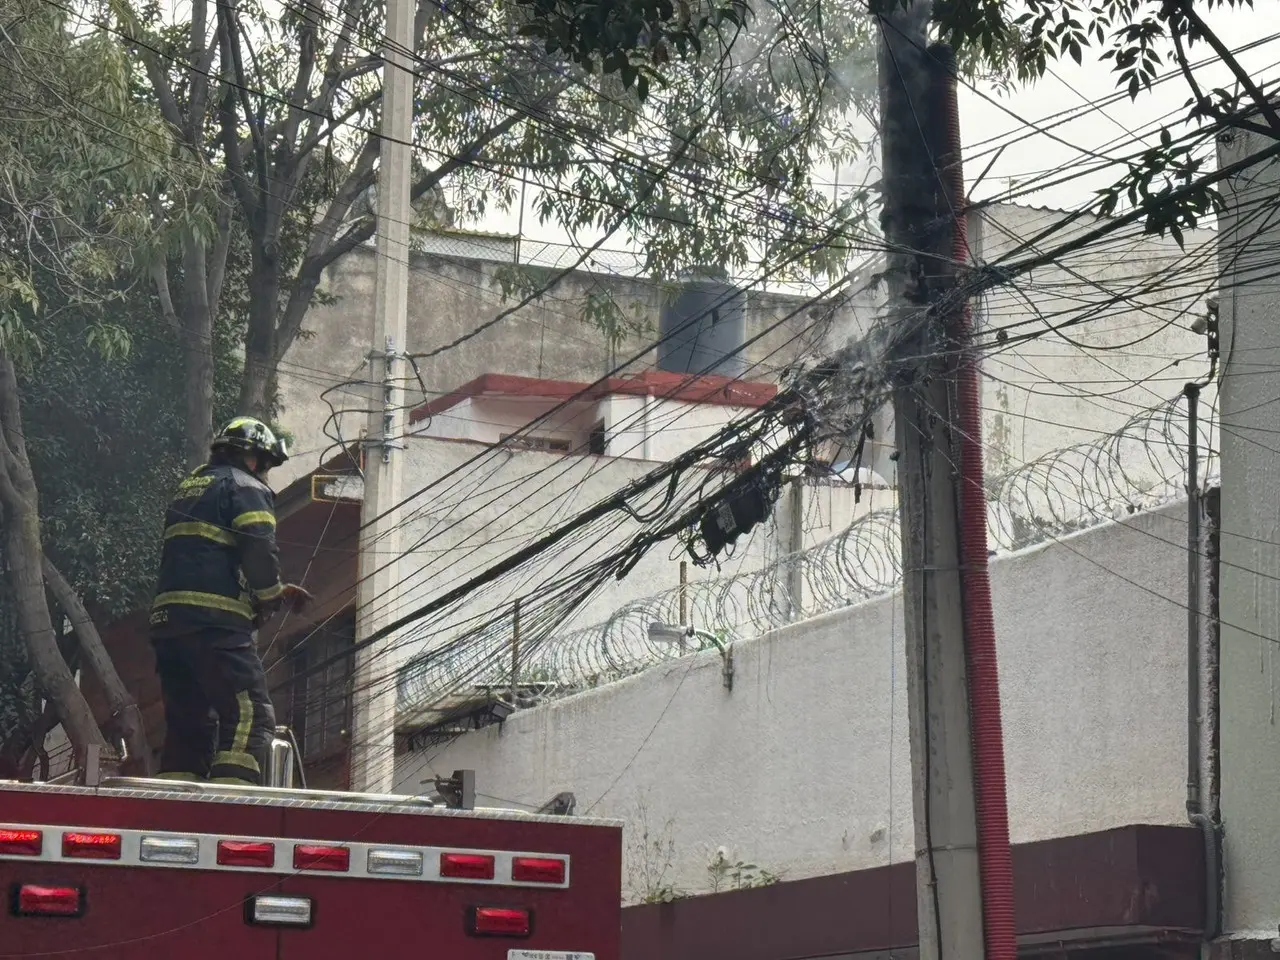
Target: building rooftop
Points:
(687, 388)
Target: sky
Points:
(1060, 102)
(988, 118)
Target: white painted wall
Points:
(1250, 586)
(1040, 396)
(672, 426)
(452, 291)
(1136, 297)
(485, 419)
(659, 433)
(481, 505)
(803, 769)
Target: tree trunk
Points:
(197, 353)
(44, 722)
(17, 752)
(25, 554)
(124, 709)
(198, 395)
(258, 388)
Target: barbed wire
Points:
(1137, 467)
(1140, 466)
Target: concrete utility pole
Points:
(374, 688)
(917, 227)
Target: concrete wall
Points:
(448, 297)
(803, 768)
(1134, 298)
(672, 426)
(643, 428)
(1250, 586)
(473, 514)
(1040, 396)
(486, 419)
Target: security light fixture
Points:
(680, 635)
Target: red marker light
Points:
(91, 846)
(538, 870)
(21, 843)
(33, 900)
(501, 921)
(467, 866)
(311, 857)
(246, 853)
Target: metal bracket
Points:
(99, 763)
(724, 649)
(459, 791)
(561, 805)
(387, 441)
(381, 444)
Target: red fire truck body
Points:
(138, 869)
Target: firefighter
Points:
(219, 581)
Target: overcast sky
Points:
(989, 119)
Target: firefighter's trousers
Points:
(216, 707)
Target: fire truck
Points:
(126, 868)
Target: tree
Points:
(705, 157)
(1168, 183)
(79, 153)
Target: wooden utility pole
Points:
(916, 222)
(374, 689)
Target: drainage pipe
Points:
(1195, 714)
(982, 674)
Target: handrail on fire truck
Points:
(457, 792)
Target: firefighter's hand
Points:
(296, 597)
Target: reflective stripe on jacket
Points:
(219, 565)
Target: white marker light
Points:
(398, 863)
(170, 850)
(281, 911)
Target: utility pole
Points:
(916, 223)
(373, 701)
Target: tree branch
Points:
(218, 261)
(333, 71)
(302, 83)
(160, 277)
(235, 159)
(313, 265)
(13, 444)
(231, 148)
(1204, 104)
(164, 91)
(202, 53)
(1225, 53)
(324, 249)
(123, 706)
(319, 136)
(422, 17)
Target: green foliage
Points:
(633, 38)
(79, 157)
(1140, 39)
(105, 441)
(726, 874)
(100, 376)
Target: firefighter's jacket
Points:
(220, 567)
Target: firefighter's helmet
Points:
(252, 436)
